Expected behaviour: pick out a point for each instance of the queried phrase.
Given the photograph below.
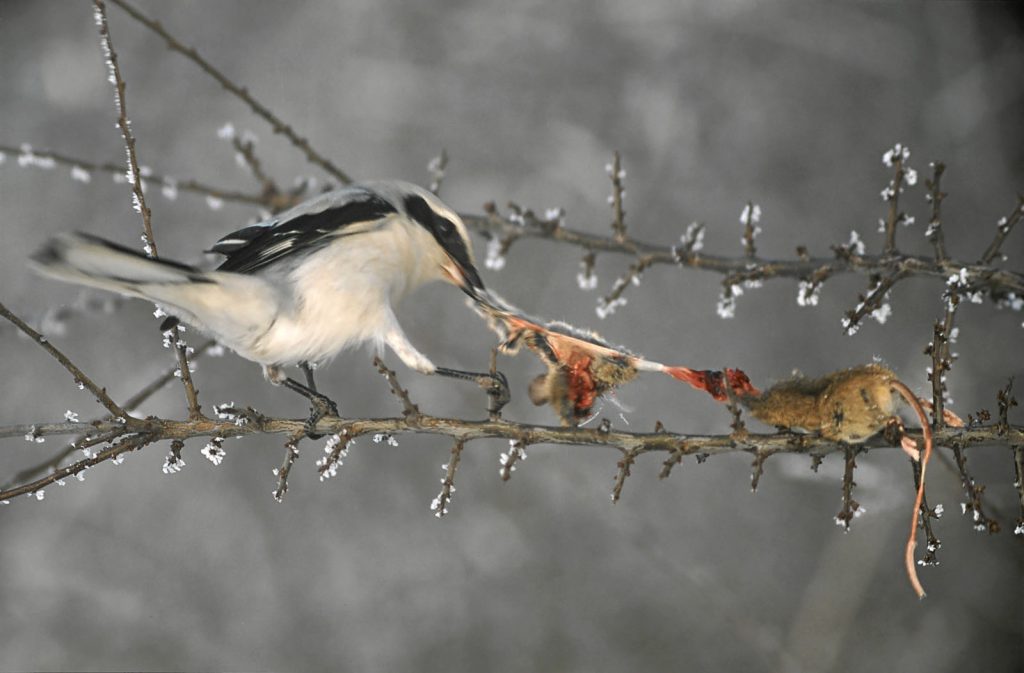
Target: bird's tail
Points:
(88, 260)
(236, 308)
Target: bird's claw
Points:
(498, 392)
(321, 406)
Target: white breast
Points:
(342, 295)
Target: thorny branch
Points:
(79, 376)
(138, 197)
(84, 441)
(151, 430)
(240, 92)
(509, 229)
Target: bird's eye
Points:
(445, 226)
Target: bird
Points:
(303, 285)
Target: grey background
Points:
(711, 104)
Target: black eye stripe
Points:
(444, 231)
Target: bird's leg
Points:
(321, 404)
(307, 369)
(493, 382)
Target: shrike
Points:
(301, 286)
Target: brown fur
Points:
(850, 405)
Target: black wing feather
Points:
(256, 246)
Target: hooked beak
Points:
(464, 276)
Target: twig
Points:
(291, 454)
(872, 302)
(240, 92)
(507, 461)
(628, 458)
(675, 457)
(437, 167)
(148, 176)
(1018, 465)
(79, 376)
(926, 515)
(129, 443)
(942, 358)
(138, 197)
(1005, 401)
(749, 218)
(439, 505)
(607, 304)
(757, 467)
(247, 151)
(851, 508)
(935, 196)
(134, 179)
(409, 410)
(616, 173)
(1003, 229)
(892, 195)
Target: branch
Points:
(240, 92)
(138, 197)
(151, 430)
(981, 276)
(103, 426)
(507, 230)
(80, 378)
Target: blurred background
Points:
(711, 105)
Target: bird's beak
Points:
(465, 276)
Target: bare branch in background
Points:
(138, 197)
(239, 92)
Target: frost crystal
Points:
(855, 245)
(330, 463)
(226, 132)
(694, 236)
(80, 174)
(910, 175)
(386, 438)
(899, 151)
(606, 308)
(40, 494)
(1011, 301)
(808, 293)
(586, 279)
(216, 351)
(169, 189)
(29, 158)
(882, 313)
(495, 259)
(214, 451)
(556, 215)
(173, 464)
(214, 203)
(726, 307)
(751, 214)
(70, 416)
